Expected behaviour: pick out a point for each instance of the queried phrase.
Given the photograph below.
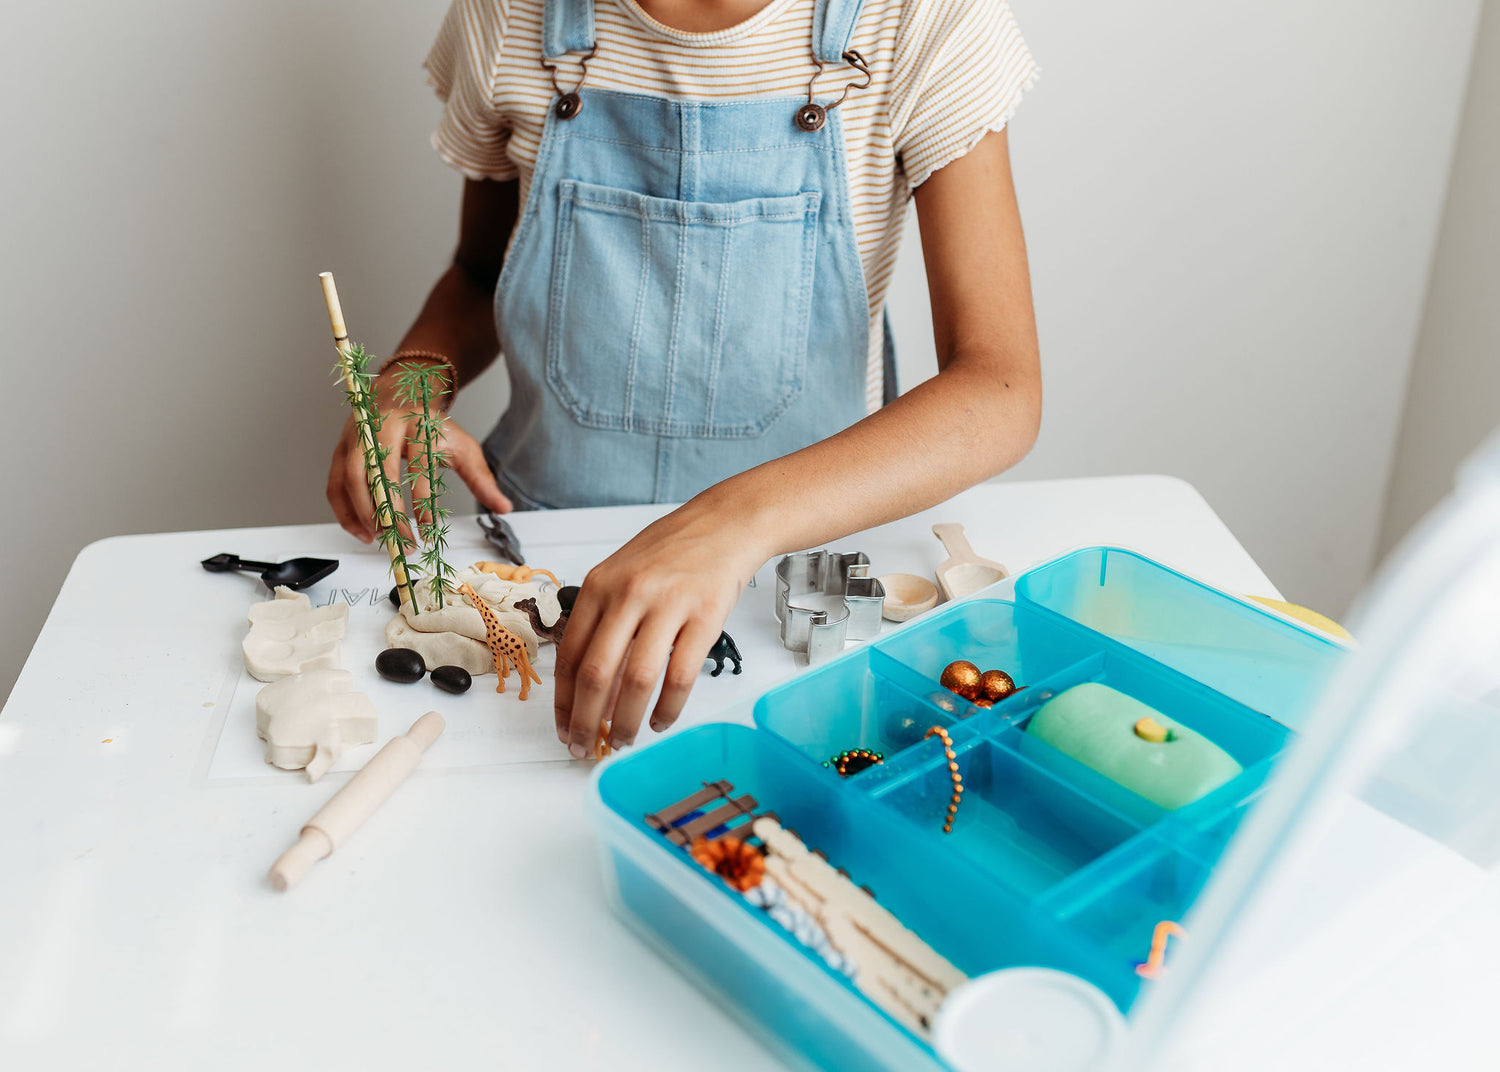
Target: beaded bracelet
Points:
(853, 760)
(958, 782)
(433, 355)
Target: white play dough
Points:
(439, 649)
(455, 635)
(307, 720)
(288, 635)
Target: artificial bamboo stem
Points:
(366, 439)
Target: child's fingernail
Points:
(657, 727)
(562, 736)
(578, 750)
(618, 743)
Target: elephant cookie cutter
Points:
(818, 631)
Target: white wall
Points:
(1230, 210)
(1454, 396)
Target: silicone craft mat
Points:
(485, 728)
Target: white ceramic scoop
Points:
(963, 572)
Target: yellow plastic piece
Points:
(1148, 729)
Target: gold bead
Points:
(953, 767)
(961, 677)
(995, 685)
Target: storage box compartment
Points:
(1230, 645)
(1021, 823)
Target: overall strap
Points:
(833, 28)
(568, 26)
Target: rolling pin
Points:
(357, 801)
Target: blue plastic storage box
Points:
(1049, 863)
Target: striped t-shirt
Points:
(946, 72)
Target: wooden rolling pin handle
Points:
(347, 809)
(312, 846)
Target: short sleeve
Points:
(961, 69)
(471, 136)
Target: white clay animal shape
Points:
(307, 720)
(288, 635)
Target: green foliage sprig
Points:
(353, 371)
(419, 385)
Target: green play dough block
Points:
(1095, 724)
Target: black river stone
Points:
(400, 664)
(453, 679)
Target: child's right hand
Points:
(348, 490)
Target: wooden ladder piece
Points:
(731, 810)
(663, 820)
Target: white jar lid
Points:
(1037, 1019)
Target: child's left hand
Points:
(663, 596)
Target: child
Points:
(679, 223)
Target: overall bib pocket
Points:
(679, 318)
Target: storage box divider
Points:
(1118, 910)
(1099, 788)
(995, 634)
(1208, 824)
(1017, 822)
(851, 703)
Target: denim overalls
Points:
(683, 298)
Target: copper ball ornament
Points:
(995, 685)
(962, 678)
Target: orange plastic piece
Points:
(520, 574)
(741, 866)
(1156, 962)
(506, 648)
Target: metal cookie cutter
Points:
(816, 630)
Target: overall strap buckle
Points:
(812, 115)
(569, 103)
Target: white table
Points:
(464, 926)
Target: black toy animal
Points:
(724, 648)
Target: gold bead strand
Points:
(958, 782)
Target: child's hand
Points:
(348, 490)
(664, 594)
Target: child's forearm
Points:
(977, 417)
(974, 420)
(458, 318)
(458, 322)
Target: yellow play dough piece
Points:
(1148, 729)
(1305, 616)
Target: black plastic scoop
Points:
(294, 573)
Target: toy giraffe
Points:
(506, 648)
